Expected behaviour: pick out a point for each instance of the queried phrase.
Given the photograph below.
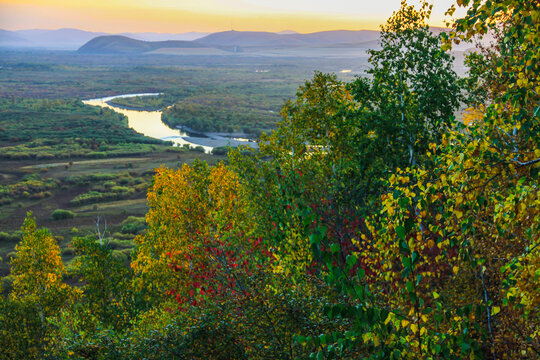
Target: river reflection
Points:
(146, 122)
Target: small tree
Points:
(38, 270)
(38, 292)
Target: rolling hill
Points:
(123, 44)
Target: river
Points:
(147, 122)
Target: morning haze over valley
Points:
(256, 179)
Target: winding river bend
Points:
(147, 122)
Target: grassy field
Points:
(71, 180)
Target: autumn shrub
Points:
(60, 214)
(120, 244)
(133, 225)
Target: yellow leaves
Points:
(444, 140)
(455, 269)
(405, 323)
(369, 336)
(495, 310)
(522, 82)
(414, 328)
(443, 178)
(38, 264)
(404, 179)
(189, 208)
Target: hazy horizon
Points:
(206, 16)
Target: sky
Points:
(178, 16)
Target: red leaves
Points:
(215, 267)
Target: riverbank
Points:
(220, 141)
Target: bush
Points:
(14, 237)
(121, 244)
(119, 255)
(222, 150)
(109, 184)
(177, 149)
(60, 214)
(127, 252)
(133, 225)
(97, 155)
(120, 236)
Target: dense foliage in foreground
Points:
(369, 225)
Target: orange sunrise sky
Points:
(177, 16)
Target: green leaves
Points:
(351, 260)
(400, 231)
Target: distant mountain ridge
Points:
(260, 38)
(237, 41)
(73, 39)
(256, 43)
